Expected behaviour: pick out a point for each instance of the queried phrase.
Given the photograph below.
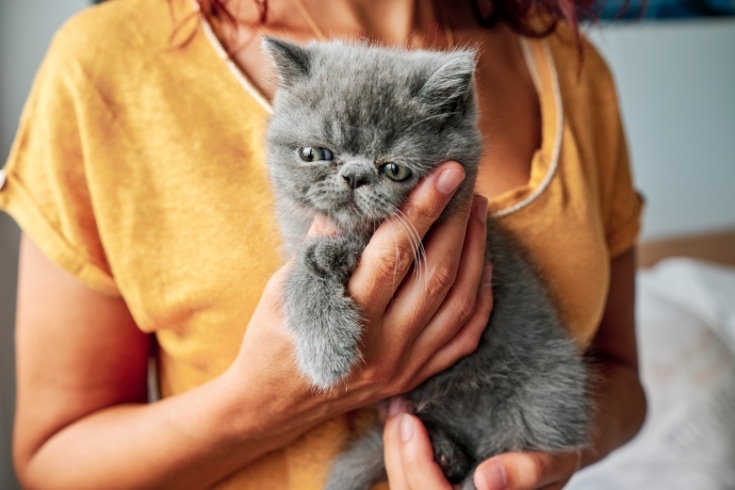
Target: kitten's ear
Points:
(292, 61)
(450, 87)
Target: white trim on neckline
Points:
(559, 122)
(245, 82)
(232, 66)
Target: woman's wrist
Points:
(245, 411)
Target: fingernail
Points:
(479, 208)
(449, 179)
(406, 427)
(397, 406)
(491, 477)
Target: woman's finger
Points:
(390, 253)
(462, 300)
(425, 291)
(392, 447)
(409, 457)
(466, 340)
(408, 318)
(527, 471)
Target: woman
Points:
(137, 177)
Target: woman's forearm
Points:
(82, 420)
(192, 440)
(618, 395)
(620, 409)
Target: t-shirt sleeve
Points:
(625, 207)
(46, 189)
(621, 203)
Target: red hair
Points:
(217, 8)
(523, 15)
(520, 15)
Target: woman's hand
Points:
(410, 462)
(619, 398)
(82, 361)
(409, 458)
(423, 315)
(419, 319)
(527, 471)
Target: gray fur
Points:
(525, 386)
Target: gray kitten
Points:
(354, 129)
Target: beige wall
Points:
(675, 83)
(25, 29)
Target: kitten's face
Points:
(355, 128)
(356, 190)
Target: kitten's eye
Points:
(396, 172)
(315, 154)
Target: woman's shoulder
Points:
(585, 81)
(579, 64)
(117, 31)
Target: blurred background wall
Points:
(26, 26)
(676, 82)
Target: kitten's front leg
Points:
(325, 320)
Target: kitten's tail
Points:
(361, 465)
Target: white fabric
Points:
(686, 333)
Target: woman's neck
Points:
(389, 22)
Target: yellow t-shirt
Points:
(139, 167)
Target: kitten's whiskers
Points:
(420, 262)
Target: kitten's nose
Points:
(354, 181)
(356, 175)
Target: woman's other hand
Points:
(409, 458)
(410, 464)
(527, 471)
(618, 395)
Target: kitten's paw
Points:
(332, 257)
(327, 360)
(326, 321)
(327, 327)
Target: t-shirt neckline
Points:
(545, 161)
